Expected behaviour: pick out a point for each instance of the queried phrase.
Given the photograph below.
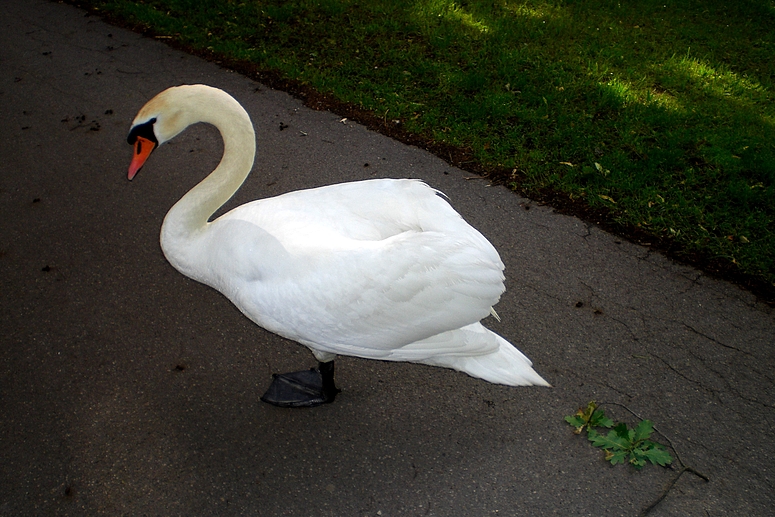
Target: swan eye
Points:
(144, 130)
(144, 140)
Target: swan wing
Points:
(318, 267)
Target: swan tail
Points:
(505, 364)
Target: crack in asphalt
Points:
(710, 390)
(727, 383)
(730, 347)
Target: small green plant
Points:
(621, 444)
(589, 417)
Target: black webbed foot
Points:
(307, 388)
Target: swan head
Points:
(144, 140)
(162, 119)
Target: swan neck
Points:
(192, 212)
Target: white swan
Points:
(380, 269)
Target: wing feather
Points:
(360, 269)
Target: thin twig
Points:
(664, 493)
(670, 487)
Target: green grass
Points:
(661, 112)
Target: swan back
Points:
(357, 268)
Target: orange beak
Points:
(143, 149)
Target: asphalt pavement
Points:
(128, 389)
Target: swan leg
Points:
(307, 388)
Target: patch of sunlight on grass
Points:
(717, 81)
(452, 12)
(624, 94)
(522, 9)
(458, 14)
(662, 99)
(619, 90)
